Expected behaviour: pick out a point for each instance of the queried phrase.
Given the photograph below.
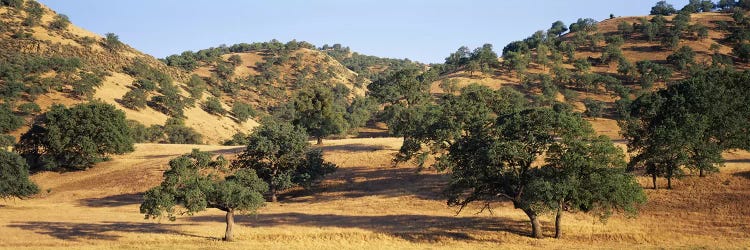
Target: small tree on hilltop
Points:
(14, 177)
(75, 138)
(61, 22)
(112, 41)
(282, 157)
(663, 8)
(196, 182)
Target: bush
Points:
(178, 133)
(6, 141)
(237, 139)
(243, 111)
(212, 105)
(135, 99)
(34, 12)
(682, 58)
(112, 41)
(85, 87)
(138, 131)
(29, 108)
(60, 22)
(14, 177)
(75, 138)
(8, 120)
(594, 108)
(196, 86)
(742, 51)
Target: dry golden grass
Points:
(366, 204)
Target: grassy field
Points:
(368, 203)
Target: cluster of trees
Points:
(688, 125)
(482, 59)
(149, 80)
(174, 131)
(488, 140)
(277, 157)
(23, 78)
(189, 60)
(366, 67)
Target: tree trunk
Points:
(669, 179)
(669, 182)
(701, 173)
(272, 190)
(320, 140)
(653, 179)
(230, 223)
(536, 227)
(558, 221)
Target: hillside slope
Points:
(21, 43)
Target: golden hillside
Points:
(91, 49)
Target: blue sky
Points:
(422, 30)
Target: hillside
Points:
(562, 73)
(366, 204)
(29, 45)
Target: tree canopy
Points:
(14, 177)
(197, 181)
(282, 157)
(75, 138)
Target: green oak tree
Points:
(196, 182)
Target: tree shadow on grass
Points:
(415, 228)
(113, 200)
(356, 182)
(745, 174)
(353, 148)
(97, 231)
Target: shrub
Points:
(213, 106)
(594, 108)
(135, 99)
(60, 22)
(178, 133)
(29, 108)
(75, 138)
(243, 111)
(8, 120)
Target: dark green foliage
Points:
(34, 12)
(177, 133)
(135, 99)
(85, 86)
(359, 112)
(594, 108)
(12, 3)
(243, 111)
(6, 141)
(235, 60)
(29, 108)
(429, 129)
(584, 25)
(496, 161)
(8, 120)
(146, 85)
(742, 51)
(170, 102)
(75, 138)
(282, 157)
(316, 111)
(481, 59)
(138, 131)
(14, 177)
(682, 58)
(237, 139)
(663, 8)
(650, 72)
(112, 41)
(212, 105)
(558, 28)
(196, 86)
(585, 173)
(688, 124)
(60, 22)
(197, 181)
